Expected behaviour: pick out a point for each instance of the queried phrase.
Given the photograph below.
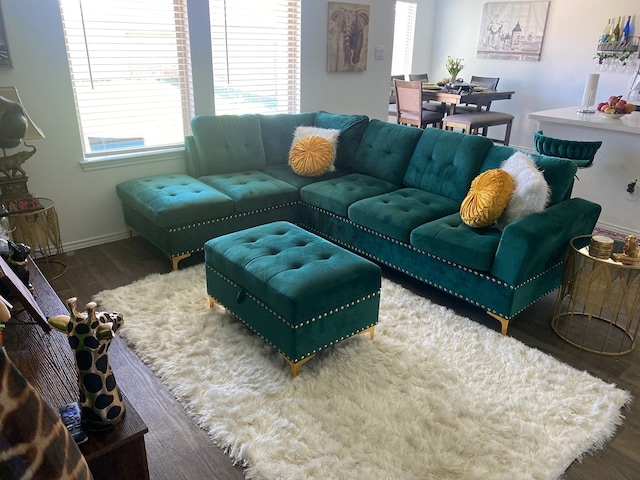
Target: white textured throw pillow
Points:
(329, 134)
(531, 193)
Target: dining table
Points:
(477, 97)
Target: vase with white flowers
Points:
(454, 67)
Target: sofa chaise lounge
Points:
(394, 197)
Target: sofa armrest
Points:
(537, 242)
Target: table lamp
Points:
(15, 127)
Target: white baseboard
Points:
(95, 241)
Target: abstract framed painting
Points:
(347, 37)
(5, 58)
(512, 30)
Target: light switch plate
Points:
(379, 52)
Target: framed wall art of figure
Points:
(348, 37)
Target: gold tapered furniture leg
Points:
(371, 331)
(295, 367)
(175, 260)
(503, 321)
(212, 302)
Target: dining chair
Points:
(409, 106)
(488, 83)
(392, 94)
(427, 105)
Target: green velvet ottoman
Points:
(299, 292)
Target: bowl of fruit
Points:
(615, 107)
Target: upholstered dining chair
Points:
(488, 83)
(427, 105)
(409, 106)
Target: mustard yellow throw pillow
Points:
(313, 158)
(488, 196)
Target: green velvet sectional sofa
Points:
(394, 198)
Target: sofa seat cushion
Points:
(170, 200)
(284, 173)
(337, 194)
(397, 213)
(451, 239)
(252, 190)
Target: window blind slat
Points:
(256, 55)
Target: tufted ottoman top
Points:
(293, 271)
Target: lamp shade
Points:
(32, 131)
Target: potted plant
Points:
(454, 67)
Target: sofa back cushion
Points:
(227, 143)
(446, 162)
(558, 172)
(277, 134)
(351, 128)
(385, 150)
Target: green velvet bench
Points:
(299, 292)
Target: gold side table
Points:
(598, 304)
(40, 230)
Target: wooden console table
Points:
(46, 360)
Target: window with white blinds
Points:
(403, 37)
(256, 55)
(130, 67)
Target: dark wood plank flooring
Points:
(178, 449)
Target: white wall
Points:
(426, 15)
(86, 201)
(346, 92)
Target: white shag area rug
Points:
(433, 396)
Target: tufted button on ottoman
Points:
(299, 292)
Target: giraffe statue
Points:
(90, 336)
(34, 443)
